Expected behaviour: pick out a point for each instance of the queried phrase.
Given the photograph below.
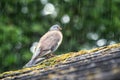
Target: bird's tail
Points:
(33, 62)
(29, 64)
(35, 59)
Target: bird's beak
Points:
(60, 28)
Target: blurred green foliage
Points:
(89, 24)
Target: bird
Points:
(47, 44)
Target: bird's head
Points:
(55, 27)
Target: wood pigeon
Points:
(47, 44)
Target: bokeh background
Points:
(86, 24)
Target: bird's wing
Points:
(48, 44)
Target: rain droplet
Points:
(93, 36)
(24, 9)
(65, 19)
(48, 9)
(101, 42)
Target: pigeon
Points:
(47, 44)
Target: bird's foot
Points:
(50, 55)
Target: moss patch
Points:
(57, 60)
